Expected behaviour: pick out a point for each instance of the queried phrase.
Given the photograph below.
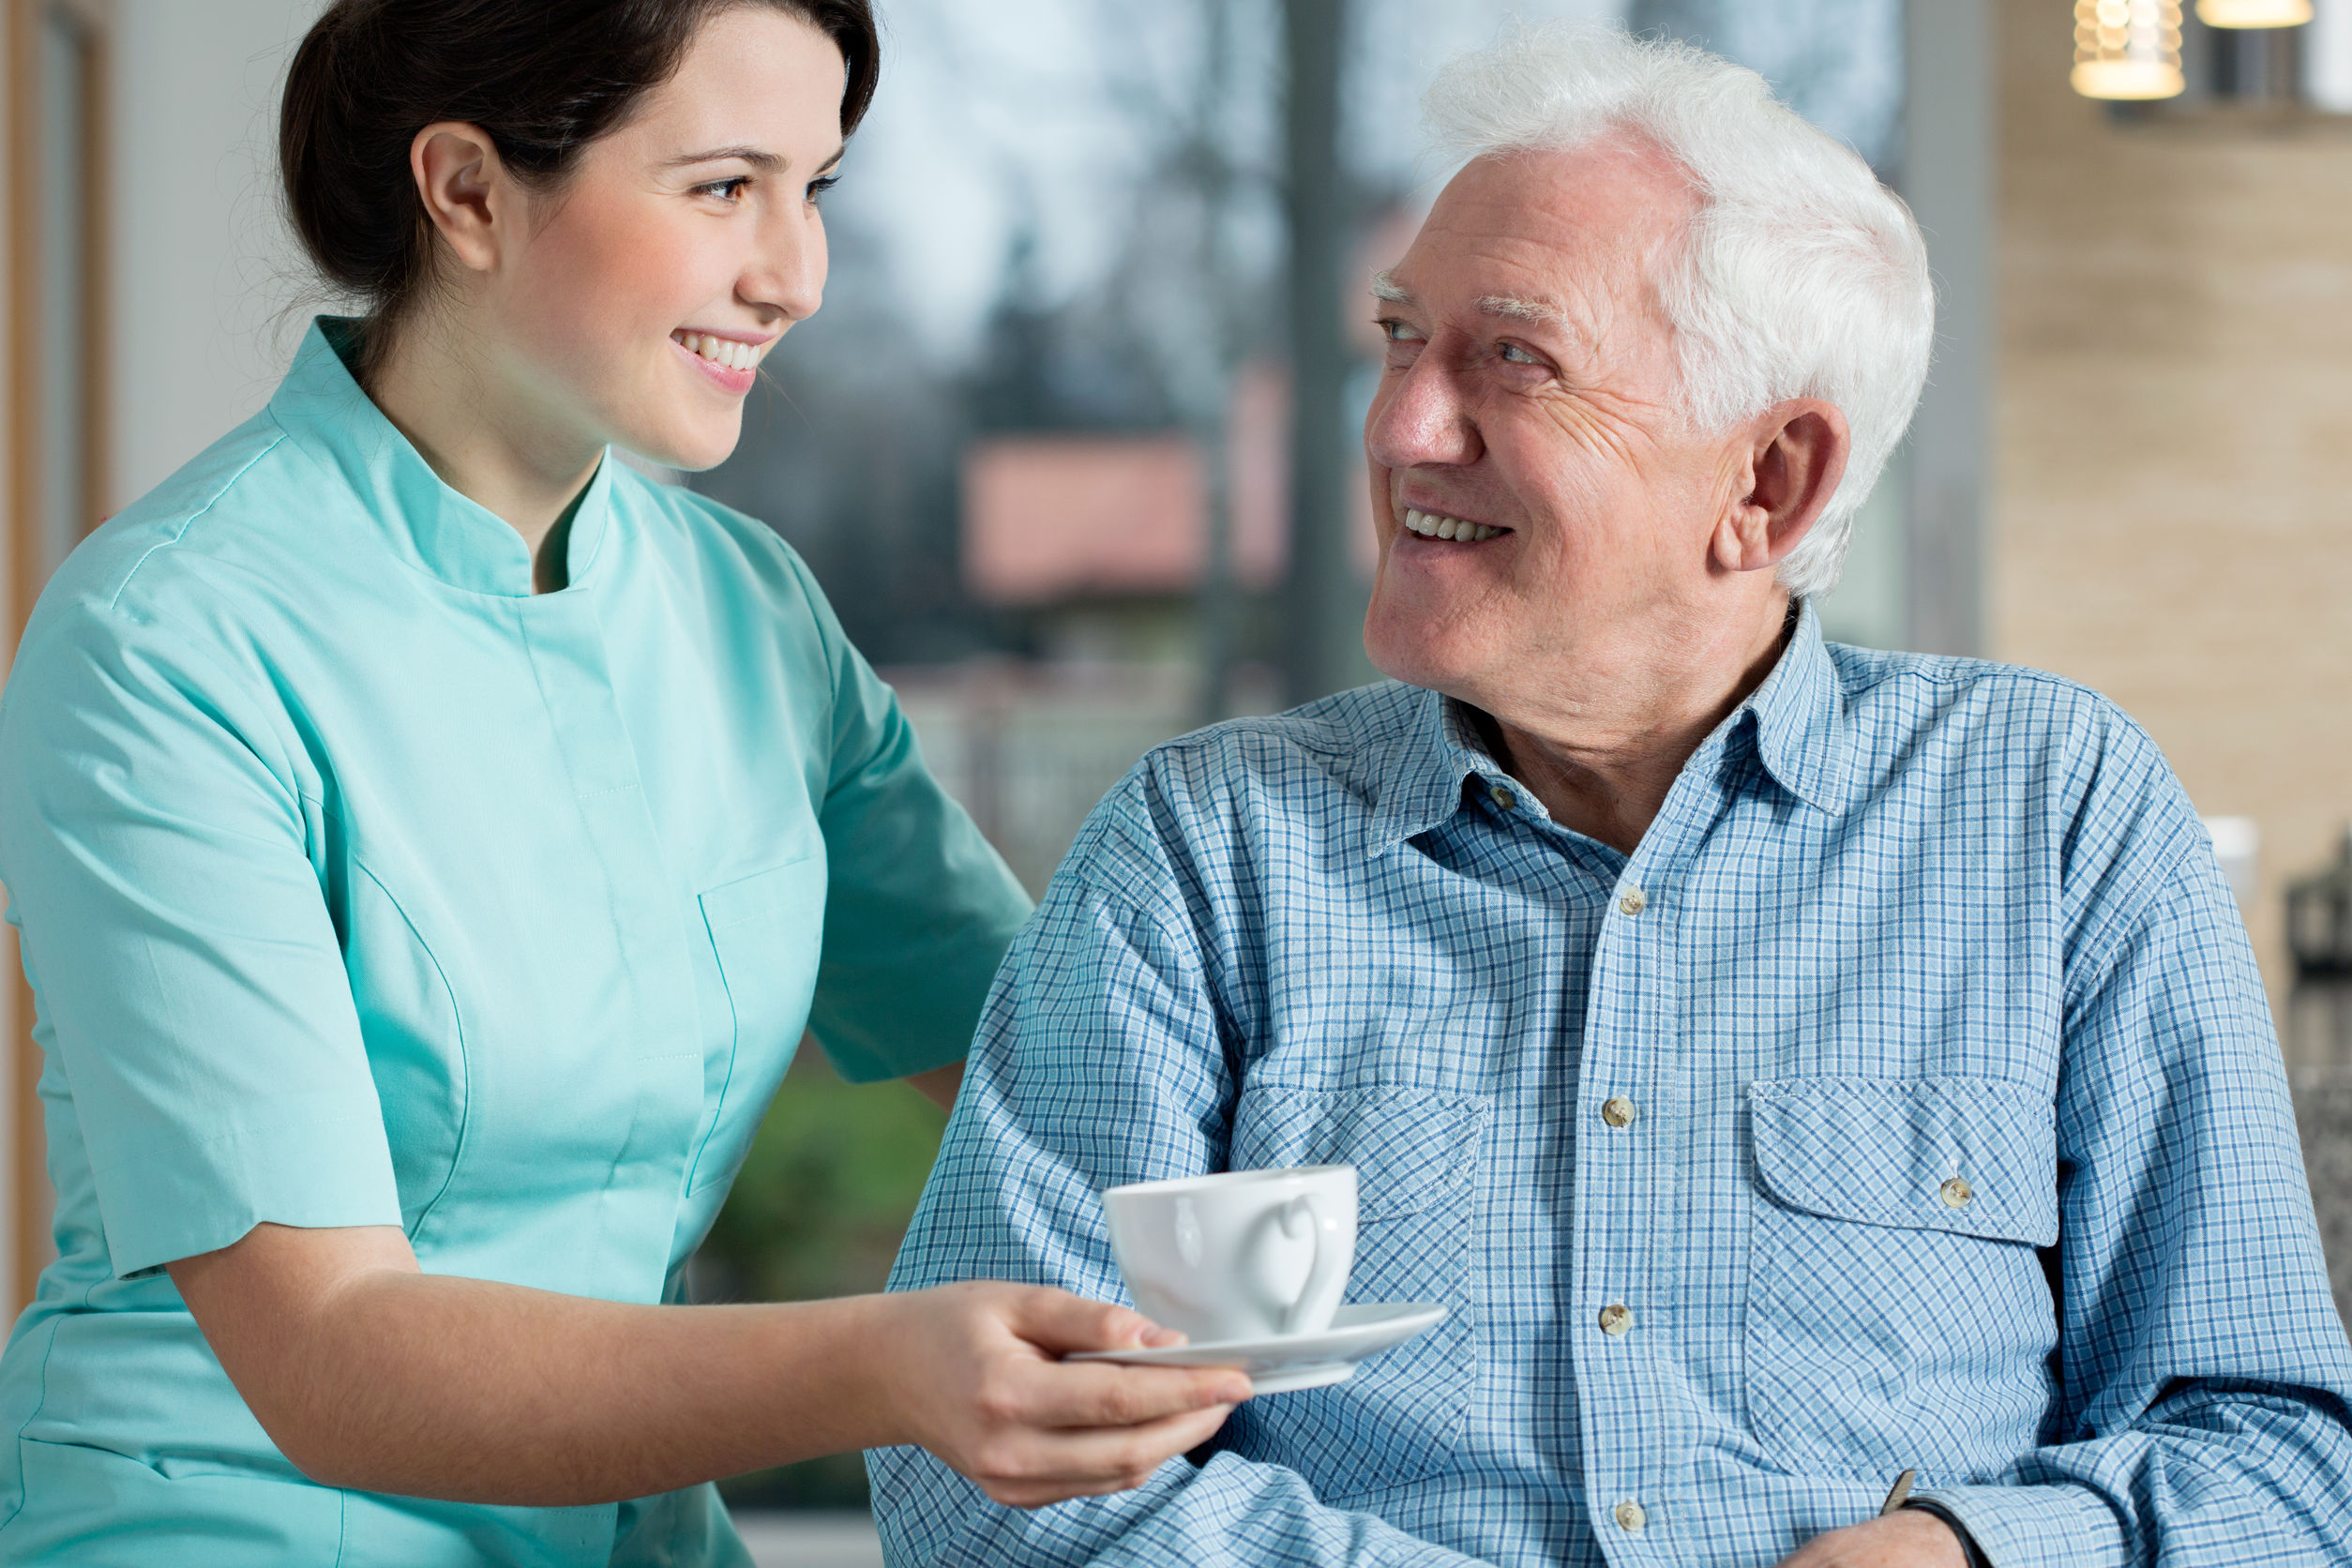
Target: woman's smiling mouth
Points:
(732, 364)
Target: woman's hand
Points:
(975, 1374)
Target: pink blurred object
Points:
(1052, 518)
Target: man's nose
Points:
(1420, 418)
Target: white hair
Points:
(1800, 275)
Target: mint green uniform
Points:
(359, 885)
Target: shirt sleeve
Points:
(1099, 1061)
(190, 984)
(919, 907)
(2203, 1411)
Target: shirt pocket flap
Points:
(1976, 1156)
(1411, 1147)
(762, 895)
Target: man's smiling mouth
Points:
(1434, 525)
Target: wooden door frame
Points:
(28, 1196)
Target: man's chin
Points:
(1421, 657)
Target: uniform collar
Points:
(1797, 714)
(432, 527)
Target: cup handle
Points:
(1308, 1210)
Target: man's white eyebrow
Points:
(1510, 306)
(1517, 309)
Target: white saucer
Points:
(1282, 1363)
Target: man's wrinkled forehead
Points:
(1547, 238)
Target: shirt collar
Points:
(432, 526)
(1798, 716)
(1420, 776)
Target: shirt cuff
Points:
(1968, 1542)
(2034, 1527)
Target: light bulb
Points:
(2128, 49)
(2254, 13)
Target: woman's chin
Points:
(689, 451)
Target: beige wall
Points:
(205, 267)
(2172, 517)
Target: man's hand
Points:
(1908, 1538)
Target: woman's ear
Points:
(464, 185)
(1795, 458)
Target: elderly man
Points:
(1792, 1065)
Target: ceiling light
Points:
(2128, 49)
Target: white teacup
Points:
(1243, 1254)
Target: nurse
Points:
(429, 840)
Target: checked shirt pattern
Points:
(1948, 1131)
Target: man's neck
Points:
(1602, 751)
(489, 446)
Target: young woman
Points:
(431, 839)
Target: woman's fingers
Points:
(1048, 1467)
(1077, 1395)
(1060, 1323)
(977, 1379)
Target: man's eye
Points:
(1397, 331)
(1511, 353)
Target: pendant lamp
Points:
(2128, 49)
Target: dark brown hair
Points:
(542, 79)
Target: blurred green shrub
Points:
(818, 1210)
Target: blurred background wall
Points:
(1071, 445)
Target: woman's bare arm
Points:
(368, 1373)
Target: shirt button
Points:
(1956, 1192)
(1633, 900)
(1618, 1112)
(1630, 1517)
(1616, 1319)
(1503, 798)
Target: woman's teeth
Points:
(721, 351)
(1431, 526)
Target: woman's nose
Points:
(789, 272)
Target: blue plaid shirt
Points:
(1959, 1139)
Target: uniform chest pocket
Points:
(1416, 1154)
(1897, 1310)
(767, 930)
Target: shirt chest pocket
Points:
(766, 931)
(1897, 1313)
(1416, 1153)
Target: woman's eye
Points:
(726, 191)
(818, 188)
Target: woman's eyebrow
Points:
(766, 162)
(759, 158)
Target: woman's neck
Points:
(479, 425)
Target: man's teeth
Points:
(1431, 526)
(721, 351)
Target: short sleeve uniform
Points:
(360, 885)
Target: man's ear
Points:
(1791, 462)
(464, 185)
